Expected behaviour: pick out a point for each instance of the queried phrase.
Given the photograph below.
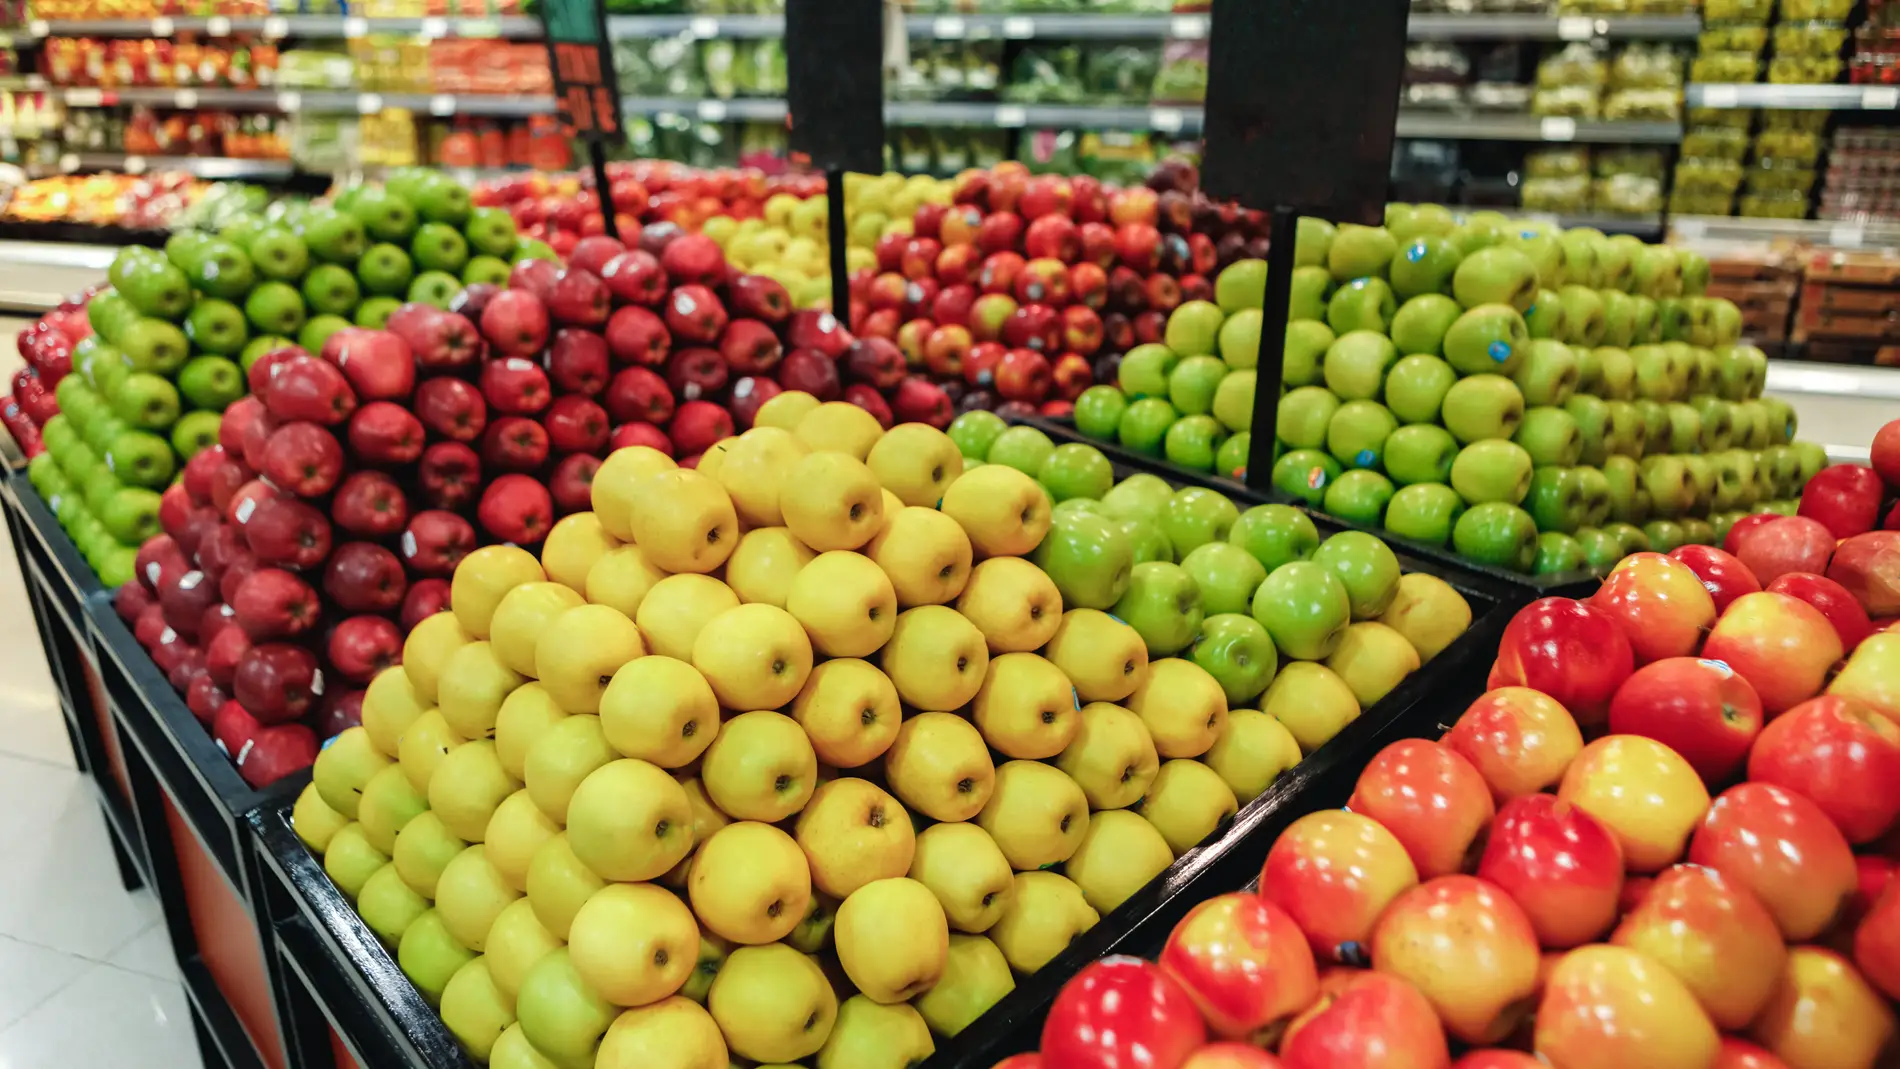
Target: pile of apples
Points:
(46, 346)
(657, 794)
(1707, 882)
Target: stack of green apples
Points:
(178, 329)
(1311, 632)
(1190, 397)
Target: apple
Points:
(1725, 577)
(1783, 646)
(1467, 928)
(1243, 962)
(1839, 753)
(1335, 872)
(1783, 849)
(1701, 708)
(363, 577)
(1559, 863)
(1868, 565)
(273, 604)
(1784, 544)
(1366, 1019)
(1660, 604)
(1832, 600)
(1652, 826)
(1118, 1011)
(1431, 798)
(1845, 497)
(1569, 650)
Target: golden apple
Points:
(1183, 706)
(1044, 915)
(939, 766)
(677, 609)
(344, 768)
(423, 746)
(486, 576)
(754, 656)
(1311, 701)
(428, 648)
(629, 820)
(1014, 604)
(351, 860)
(936, 658)
(684, 521)
(1825, 1013)
(470, 895)
(524, 718)
(1252, 752)
(515, 834)
(1004, 512)
(476, 1010)
(635, 943)
(1428, 612)
(925, 553)
(975, 977)
(839, 427)
(784, 410)
(838, 505)
(675, 1033)
(523, 615)
(580, 652)
(1118, 856)
(845, 603)
(1037, 814)
(756, 467)
(513, 1051)
(967, 872)
(559, 885)
(917, 462)
(387, 803)
(772, 1003)
(613, 495)
(750, 883)
(388, 905)
(765, 562)
(1187, 802)
(761, 767)
(516, 941)
(567, 753)
(1104, 657)
(850, 712)
(474, 684)
(430, 956)
(713, 951)
(424, 847)
(892, 939)
(852, 833)
(390, 705)
(1652, 824)
(573, 545)
(313, 819)
(707, 819)
(622, 578)
(1111, 756)
(1026, 707)
(1373, 659)
(714, 458)
(659, 710)
(467, 787)
(813, 934)
(869, 1035)
(560, 1013)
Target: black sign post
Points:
(834, 60)
(582, 58)
(1302, 111)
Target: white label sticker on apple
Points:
(316, 683)
(167, 637)
(219, 743)
(691, 391)
(244, 510)
(515, 363)
(1880, 97)
(1558, 128)
(244, 753)
(151, 570)
(409, 545)
(218, 26)
(190, 580)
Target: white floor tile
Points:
(30, 724)
(30, 974)
(107, 1017)
(149, 952)
(62, 888)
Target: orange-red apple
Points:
(1782, 645)
(1643, 791)
(1783, 848)
(1659, 602)
(1608, 1007)
(1825, 1015)
(1714, 935)
(1842, 755)
(1468, 949)
(1568, 650)
(1702, 709)
(1433, 800)
(1520, 740)
(1367, 1020)
(1561, 865)
(1334, 872)
(1244, 962)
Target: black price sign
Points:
(834, 60)
(582, 58)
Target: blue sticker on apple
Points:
(1364, 459)
(1500, 351)
(1360, 283)
(1416, 252)
(327, 743)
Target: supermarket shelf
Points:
(744, 110)
(1168, 120)
(1800, 97)
(639, 27)
(316, 101)
(1546, 28)
(308, 26)
(1637, 225)
(1484, 127)
(1058, 27)
(36, 275)
(210, 167)
(1814, 231)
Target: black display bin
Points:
(1567, 584)
(346, 991)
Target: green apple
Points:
(1075, 470)
(1592, 416)
(1163, 605)
(1226, 574)
(438, 247)
(1595, 495)
(485, 269)
(1360, 252)
(1583, 315)
(1545, 318)
(317, 329)
(1601, 550)
(1646, 329)
(1140, 495)
(274, 308)
(1616, 374)
(220, 269)
(375, 311)
(1671, 489)
(1548, 374)
(385, 269)
(1416, 386)
(976, 431)
(1305, 608)
(1483, 406)
(1098, 412)
(1702, 481)
(1555, 500)
(1088, 558)
(1424, 264)
(141, 459)
(491, 231)
(1419, 453)
(1480, 230)
(1240, 339)
(154, 287)
(1195, 516)
(154, 345)
(1304, 414)
(1664, 535)
(1497, 275)
(1550, 436)
(1654, 417)
(1356, 364)
(1358, 496)
(1492, 470)
(1307, 341)
(1312, 242)
(1144, 426)
(130, 515)
(1558, 554)
(1194, 329)
(1422, 323)
(1655, 374)
(1024, 448)
(1629, 501)
(1488, 338)
(1241, 287)
(384, 215)
(1275, 534)
(1497, 534)
(218, 327)
(1539, 242)
(1238, 652)
(1366, 566)
(1144, 536)
(278, 255)
(1362, 304)
(1424, 512)
(1751, 420)
(1619, 319)
(437, 289)
(1356, 434)
(333, 236)
(1194, 441)
(1304, 473)
(146, 401)
(1234, 398)
(1144, 371)
(1718, 423)
(1698, 531)
(1312, 287)
(1192, 383)
(1231, 461)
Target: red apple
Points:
(384, 433)
(436, 541)
(272, 603)
(1831, 600)
(1783, 848)
(1560, 864)
(1783, 646)
(812, 372)
(1121, 1012)
(578, 362)
(1844, 497)
(694, 315)
(1868, 566)
(571, 483)
(1723, 576)
(760, 298)
(630, 434)
(288, 533)
(516, 443)
(378, 364)
(451, 408)
(439, 341)
(449, 475)
(1334, 872)
(1714, 935)
(1430, 798)
(515, 386)
(369, 504)
(536, 276)
(579, 298)
(1740, 530)
(364, 577)
(593, 253)
(426, 597)
(362, 646)
(1570, 650)
(1886, 454)
(918, 401)
(1023, 375)
(635, 276)
(1243, 962)
(867, 398)
(305, 388)
(750, 394)
(1786, 544)
(635, 335)
(750, 347)
(1700, 708)
(1367, 1020)
(1842, 755)
(699, 424)
(277, 682)
(183, 602)
(516, 323)
(819, 330)
(304, 459)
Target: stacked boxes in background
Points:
(1850, 304)
(1763, 283)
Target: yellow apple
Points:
(515, 834)
(1104, 657)
(622, 577)
(524, 718)
(1312, 701)
(1183, 706)
(390, 705)
(939, 766)
(852, 833)
(474, 684)
(573, 545)
(1187, 802)
(1026, 707)
(567, 753)
(756, 468)
(1014, 604)
(558, 885)
(1046, 912)
(707, 819)
(785, 410)
(892, 939)
(917, 462)
(839, 427)
(523, 615)
(424, 847)
(1037, 814)
(313, 819)
(683, 521)
(388, 802)
(581, 650)
(470, 895)
(967, 872)
(513, 1051)
(661, 710)
(673, 613)
(845, 603)
(754, 656)
(714, 458)
(467, 786)
(850, 712)
(773, 1004)
(516, 941)
(838, 504)
(674, 1033)
(486, 576)
(1120, 854)
(926, 555)
(750, 883)
(635, 943)
(629, 820)
(476, 1010)
(344, 768)
(1004, 512)
(561, 1014)
(873, 1036)
(1111, 757)
(761, 767)
(423, 746)
(428, 648)
(764, 564)
(936, 658)
(1428, 612)
(1372, 658)
(975, 977)
(388, 905)
(351, 860)
(1252, 752)
(430, 957)
(613, 494)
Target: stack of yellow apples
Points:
(794, 758)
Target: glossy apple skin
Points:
(1230, 1056)
(1824, 1014)
(1244, 962)
(1783, 848)
(1659, 602)
(1702, 709)
(1741, 1054)
(1561, 865)
(1430, 798)
(1468, 948)
(1842, 755)
(1334, 872)
(1607, 1007)
(1568, 650)
(1722, 575)
(1877, 943)
(1714, 935)
(1122, 1013)
(1367, 1020)
(1783, 646)
(1646, 794)
(1518, 739)
(1831, 600)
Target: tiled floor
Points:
(87, 979)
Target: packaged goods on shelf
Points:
(1876, 51)
(1763, 283)
(142, 203)
(1863, 175)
